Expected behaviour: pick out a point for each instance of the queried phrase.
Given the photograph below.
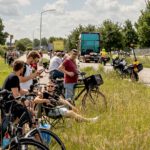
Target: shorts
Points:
(57, 111)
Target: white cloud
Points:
(12, 7)
(24, 2)
(59, 5)
(61, 22)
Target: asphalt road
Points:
(144, 75)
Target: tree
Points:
(143, 27)
(111, 35)
(73, 38)
(36, 43)
(3, 35)
(129, 35)
(23, 44)
(44, 42)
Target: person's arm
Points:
(65, 102)
(23, 91)
(39, 100)
(15, 92)
(62, 69)
(27, 78)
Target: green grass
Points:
(4, 71)
(144, 60)
(124, 126)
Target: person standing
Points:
(54, 64)
(69, 68)
(27, 76)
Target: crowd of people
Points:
(21, 79)
(10, 56)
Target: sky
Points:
(21, 18)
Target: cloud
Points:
(59, 5)
(12, 7)
(62, 22)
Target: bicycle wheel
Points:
(48, 138)
(27, 144)
(95, 97)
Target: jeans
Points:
(69, 90)
(56, 74)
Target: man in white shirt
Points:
(54, 64)
(27, 78)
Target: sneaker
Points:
(95, 119)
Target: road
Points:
(144, 75)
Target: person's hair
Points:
(17, 65)
(33, 54)
(74, 50)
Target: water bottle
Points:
(5, 141)
(46, 137)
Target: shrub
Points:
(2, 50)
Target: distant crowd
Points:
(10, 56)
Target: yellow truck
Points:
(58, 45)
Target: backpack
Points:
(24, 69)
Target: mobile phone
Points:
(40, 71)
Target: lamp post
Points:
(41, 22)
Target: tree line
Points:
(113, 35)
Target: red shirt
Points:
(70, 66)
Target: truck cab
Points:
(89, 46)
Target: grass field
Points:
(4, 71)
(124, 126)
(144, 60)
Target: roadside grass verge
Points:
(124, 126)
(4, 71)
(144, 60)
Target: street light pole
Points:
(41, 23)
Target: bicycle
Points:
(90, 90)
(13, 141)
(45, 137)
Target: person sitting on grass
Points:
(60, 106)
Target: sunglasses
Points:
(50, 86)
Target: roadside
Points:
(144, 75)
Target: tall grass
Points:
(144, 60)
(124, 126)
(4, 71)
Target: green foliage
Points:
(4, 71)
(143, 27)
(111, 35)
(129, 35)
(36, 43)
(44, 42)
(23, 44)
(3, 35)
(3, 49)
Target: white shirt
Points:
(26, 85)
(55, 63)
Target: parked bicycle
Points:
(90, 91)
(10, 133)
(46, 137)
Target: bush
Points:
(2, 50)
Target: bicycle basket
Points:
(93, 81)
